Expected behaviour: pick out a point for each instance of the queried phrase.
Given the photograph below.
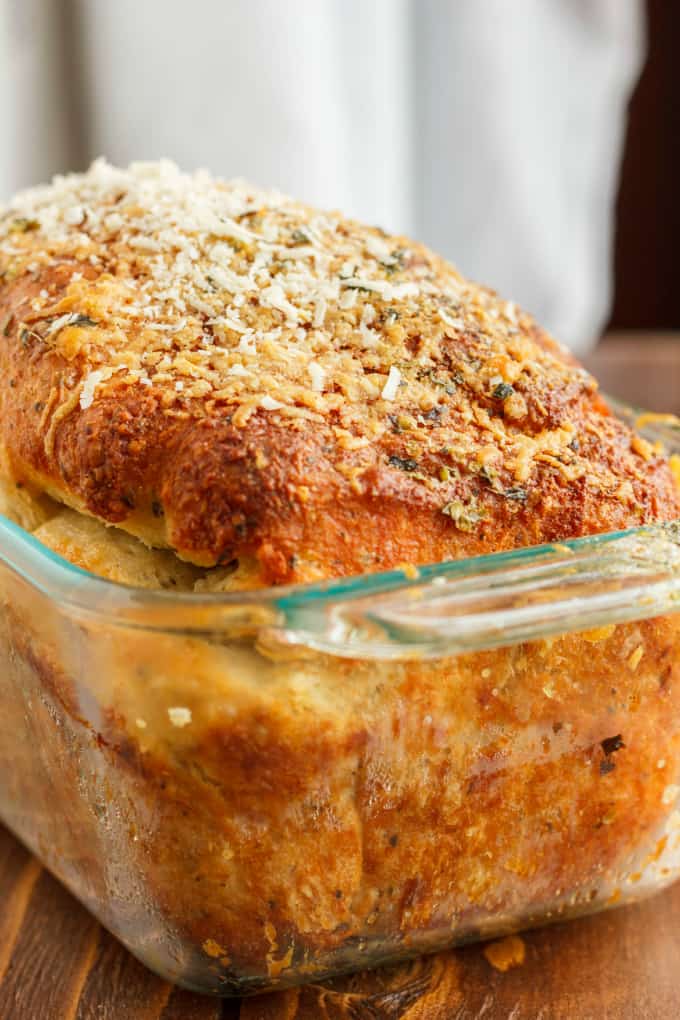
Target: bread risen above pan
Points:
(231, 375)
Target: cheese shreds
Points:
(60, 323)
(317, 376)
(90, 384)
(179, 717)
(454, 323)
(319, 313)
(219, 299)
(274, 297)
(389, 390)
(270, 404)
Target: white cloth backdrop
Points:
(491, 129)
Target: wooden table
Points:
(57, 963)
(642, 368)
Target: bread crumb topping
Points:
(224, 300)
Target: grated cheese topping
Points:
(221, 299)
(90, 384)
(389, 390)
(179, 716)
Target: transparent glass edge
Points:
(89, 595)
(65, 582)
(330, 618)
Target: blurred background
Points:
(535, 143)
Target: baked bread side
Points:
(234, 376)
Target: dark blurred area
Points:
(647, 291)
(639, 357)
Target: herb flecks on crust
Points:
(205, 349)
(219, 295)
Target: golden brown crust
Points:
(530, 783)
(359, 376)
(282, 816)
(314, 814)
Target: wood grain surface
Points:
(57, 963)
(642, 368)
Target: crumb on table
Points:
(506, 953)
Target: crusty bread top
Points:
(225, 372)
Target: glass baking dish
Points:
(254, 790)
